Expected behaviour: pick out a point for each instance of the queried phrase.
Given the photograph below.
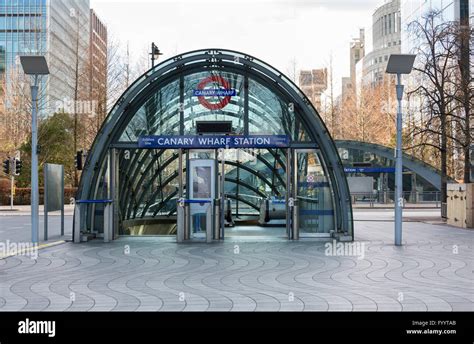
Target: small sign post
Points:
(53, 194)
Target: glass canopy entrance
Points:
(274, 170)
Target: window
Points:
(390, 23)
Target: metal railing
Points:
(432, 198)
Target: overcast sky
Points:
(278, 32)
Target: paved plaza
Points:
(433, 271)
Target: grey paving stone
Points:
(259, 278)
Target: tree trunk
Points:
(76, 96)
(465, 69)
(444, 158)
(467, 142)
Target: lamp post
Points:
(34, 66)
(399, 64)
(155, 54)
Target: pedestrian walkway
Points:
(431, 272)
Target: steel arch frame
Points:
(421, 168)
(226, 60)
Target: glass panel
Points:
(253, 175)
(202, 182)
(268, 113)
(148, 184)
(214, 96)
(158, 116)
(316, 206)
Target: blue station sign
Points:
(214, 141)
(369, 169)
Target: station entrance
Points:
(226, 193)
(211, 145)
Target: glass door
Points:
(202, 191)
(313, 192)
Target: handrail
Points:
(93, 201)
(194, 201)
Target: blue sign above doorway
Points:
(369, 169)
(214, 141)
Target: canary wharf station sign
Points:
(214, 141)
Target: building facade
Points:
(60, 30)
(386, 40)
(412, 10)
(357, 53)
(2, 73)
(98, 64)
(23, 27)
(67, 54)
(346, 87)
(459, 12)
(314, 83)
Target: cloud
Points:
(276, 31)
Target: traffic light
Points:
(18, 164)
(78, 160)
(6, 166)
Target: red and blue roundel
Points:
(222, 92)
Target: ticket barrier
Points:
(202, 225)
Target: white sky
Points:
(277, 32)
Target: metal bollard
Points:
(108, 218)
(187, 219)
(296, 220)
(209, 223)
(181, 221)
(267, 210)
(217, 219)
(77, 223)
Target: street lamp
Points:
(399, 64)
(34, 66)
(155, 54)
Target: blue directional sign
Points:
(369, 169)
(214, 141)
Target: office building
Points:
(357, 52)
(386, 40)
(60, 30)
(98, 65)
(451, 10)
(314, 83)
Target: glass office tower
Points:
(58, 29)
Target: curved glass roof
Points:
(169, 99)
(268, 113)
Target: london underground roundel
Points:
(220, 88)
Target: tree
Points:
(55, 139)
(463, 86)
(368, 117)
(15, 120)
(436, 50)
